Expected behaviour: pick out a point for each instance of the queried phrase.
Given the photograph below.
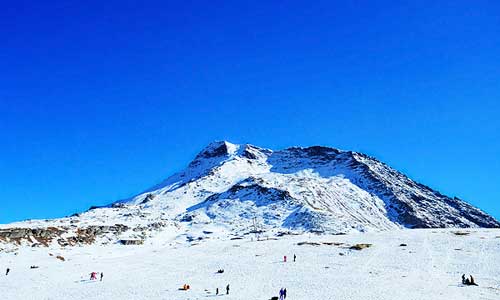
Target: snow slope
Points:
(310, 189)
(429, 267)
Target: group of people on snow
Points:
(93, 275)
(217, 290)
(468, 281)
(282, 293)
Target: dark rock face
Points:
(412, 204)
(219, 149)
(248, 154)
(148, 198)
(472, 213)
(326, 152)
(95, 207)
(319, 153)
(215, 152)
(252, 152)
(187, 218)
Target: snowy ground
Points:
(429, 267)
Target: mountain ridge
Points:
(366, 167)
(234, 190)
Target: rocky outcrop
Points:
(89, 234)
(42, 236)
(131, 242)
(72, 235)
(64, 236)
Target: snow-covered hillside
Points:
(311, 189)
(235, 190)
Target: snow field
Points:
(429, 267)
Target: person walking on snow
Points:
(284, 293)
(216, 291)
(284, 258)
(7, 272)
(281, 294)
(227, 289)
(294, 257)
(102, 275)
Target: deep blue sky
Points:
(102, 99)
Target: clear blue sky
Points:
(102, 99)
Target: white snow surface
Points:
(429, 267)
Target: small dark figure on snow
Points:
(284, 293)
(216, 291)
(281, 293)
(468, 281)
(7, 272)
(294, 257)
(102, 275)
(93, 276)
(472, 280)
(227, 289)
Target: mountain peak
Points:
(217, 149)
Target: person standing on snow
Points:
(7, 272)
(472, 282)
(281, 294)
(227, 289)
(284, 258)
(294, 257)
(284, 293)
(216, 291)
(102, 275)
(93, 276)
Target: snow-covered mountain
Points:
(233, 189)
